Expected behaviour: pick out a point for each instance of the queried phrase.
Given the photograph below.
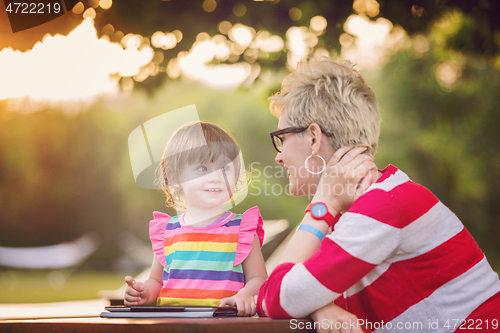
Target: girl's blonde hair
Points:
(333, 95)
(196, 142)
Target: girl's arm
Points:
(255, 273)
(138, 293)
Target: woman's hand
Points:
(136, 293)
(334, 319)
(264, 308)
(243, 301)
(346, 177)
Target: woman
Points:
(397, 258)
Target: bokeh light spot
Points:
(117, 36)
(105, 4)
(78, 8)
(417, 11)
(74, 67)
(127, 84)
(209, 5)
(346, 40)
(241, 34)
(318, 23)
(239, 10)
(368, 7)
(224, 27)
(108, 29)
(173, 68)
(202, 37)
(267, 43)
(156, 39)
(178, 35)
(295, 14)
(420, 44)
(372, 40)
(89, 13)
(447, 74)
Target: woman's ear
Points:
(316, 135)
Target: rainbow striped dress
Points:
(202, 265)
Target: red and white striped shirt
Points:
(398, 257)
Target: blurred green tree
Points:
(441, 105)
(149, 16)
(61, 175)
(478, 35)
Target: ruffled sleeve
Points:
(157, 229)
(251, 224)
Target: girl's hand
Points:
(243, 301)
(136, 293)
(346, 178)
(338, 319)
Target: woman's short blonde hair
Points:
(196, 142)
(333, 95)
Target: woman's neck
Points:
(376, 174)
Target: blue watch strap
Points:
(313, 230)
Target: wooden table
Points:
(163, 325)
(83, 317)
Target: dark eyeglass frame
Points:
(290, 129)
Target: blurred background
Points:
(72, 90)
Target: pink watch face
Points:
(319, 209)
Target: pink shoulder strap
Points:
(157, 229)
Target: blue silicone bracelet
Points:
(313, 230)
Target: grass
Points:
(54, 286)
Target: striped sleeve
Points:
(269, 293)
(399, 255)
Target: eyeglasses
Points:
(277, 136)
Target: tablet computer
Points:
(161, 311)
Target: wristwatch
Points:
(319, 211)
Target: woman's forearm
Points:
(303, 243)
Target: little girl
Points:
(208, 255)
